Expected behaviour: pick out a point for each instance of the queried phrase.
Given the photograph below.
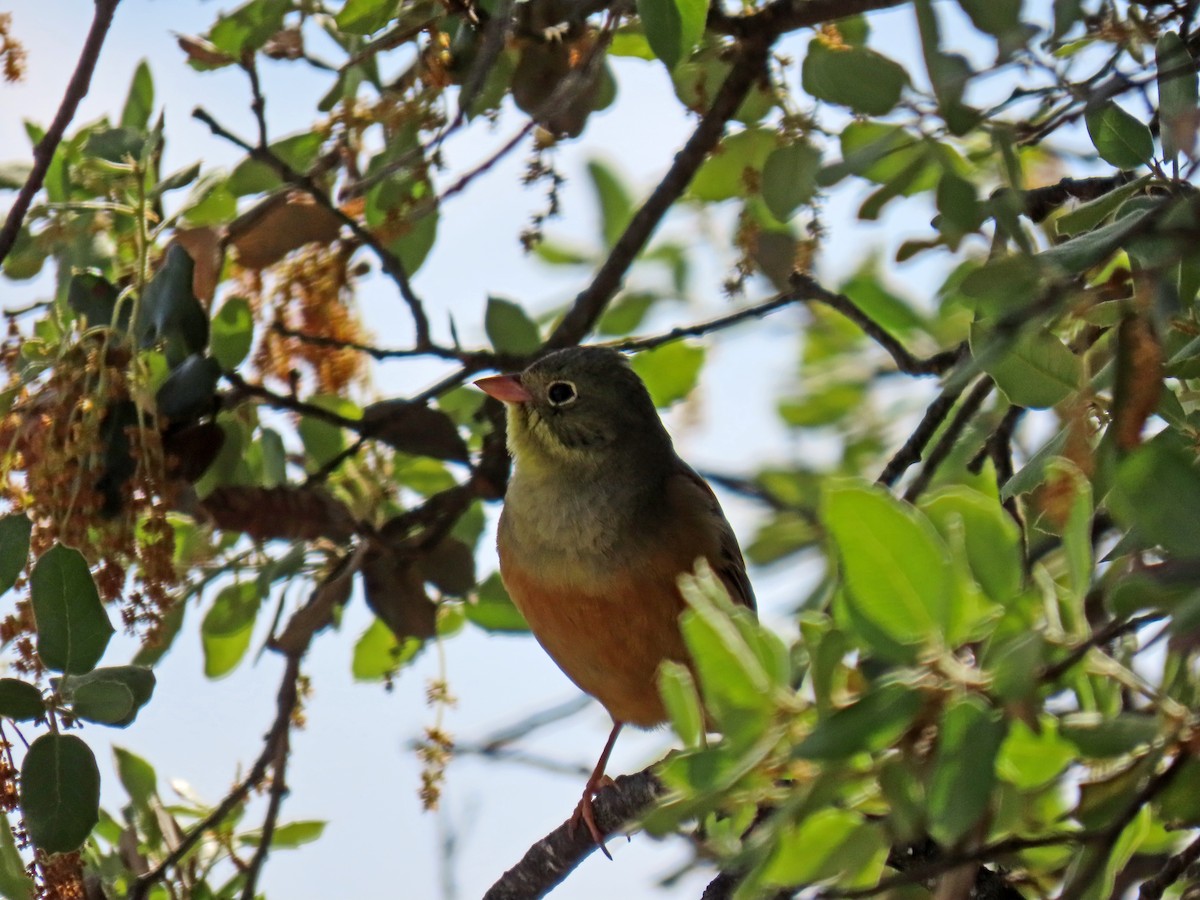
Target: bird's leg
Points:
(584, 812)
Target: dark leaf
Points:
(290, 513)
(415, 428)
(60, 792)
(395, 592)
(111, 695)
(95, 299)
(450, 566)
(20, 700)
(15, 529)
(72, 627)
(190, 390)
(169, 311)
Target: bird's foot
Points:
(587, 815)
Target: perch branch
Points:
(556, 855)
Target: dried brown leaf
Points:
(1138, 379)
(289, 513)
(284, 221)
(204, 246)
(395, 592)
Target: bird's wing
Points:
(691, 495)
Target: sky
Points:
(351, 764)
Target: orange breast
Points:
(608, 637)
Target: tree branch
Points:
(966, 412)
(588, 306)
(390, 262)
(808, 289)
(43, 154)
(556, 855)
(1178, 864)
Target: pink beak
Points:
(505, 387)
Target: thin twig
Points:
(1170, 873)
(281, 401)
(910, 453)
(1095, 863)
(1109, 632)
(43, 153)
(390, 262)
(750, 312)
(808, 289)
(941, 450)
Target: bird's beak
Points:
(505, 387)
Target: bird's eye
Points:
(561, 393)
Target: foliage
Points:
(998, 664)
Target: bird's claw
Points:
(585, 813)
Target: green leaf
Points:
(232, 333)
(111, 695)
(625, 314)
(228, 627)
(1157, 491)
(670, 371)
(678, 691)
(60, 792)
(15, 883)
(964, 770)
(169, 312)
(1087, 216)
(15, 529)
(789, 178)
(993, 540)
(493, 610)
(72, 627)
(377, 653)
(509, 327)
(673, 27)
(829, 845)
(733, 167)
(137, 776)
(1035, 369)
(1118, 137)
(1106, 737)
(1030, 759)
(616, 204)
(365, 16)
(733, 680)
(139, 103)
(286, 837)
(249, 26)
(866, 81)
(1093, 247)
(869, 724)
(20, 700)
(1177, 96)
(895, 565)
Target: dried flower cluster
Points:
(309, 292)
(86, 464)
(12, 52)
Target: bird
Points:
(601, 516)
